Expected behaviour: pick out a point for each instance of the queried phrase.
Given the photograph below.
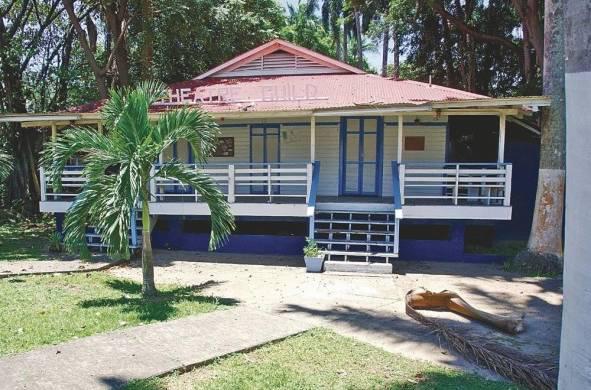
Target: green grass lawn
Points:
(41, 310)
(319, 359)
(24, 240)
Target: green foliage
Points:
(192, 36)
(55, 242)
(118, 167)
(311, 249)
(320, 359)
(6, 165)
(23, 239)
(57, 308)
(304, 28)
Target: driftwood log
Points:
(421, 299)
(535, 373)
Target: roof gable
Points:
(279, 58)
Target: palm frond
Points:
(222, 220)
(104, 205)
(195, 126)
(6, 165)
(78, 140)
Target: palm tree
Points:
(118, 168)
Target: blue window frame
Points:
(361, 156)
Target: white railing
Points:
(288, 182)
(455, 183)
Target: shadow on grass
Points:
(158, 308)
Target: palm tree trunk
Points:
(148, 285)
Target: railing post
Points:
(43, 184)
(195, 190)
(508, 177)
(231, 187)
(401, 174)
(152, 184)
(457, 185)
(309, 171)
(269, 185)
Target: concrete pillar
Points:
(502, 127)
(575, 345)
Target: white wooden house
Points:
(310, 141)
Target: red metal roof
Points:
(309, 92)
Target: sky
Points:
(373, 58)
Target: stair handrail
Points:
(314, 184)
(396, 194)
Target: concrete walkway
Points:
(109, 360)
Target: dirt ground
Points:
(371, 307)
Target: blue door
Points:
(361, 150)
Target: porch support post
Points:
(313, 138)
(502, 124)
(400, 130)
(53, 131)
(99, 126)
(311, 227)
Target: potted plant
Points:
(313, 256)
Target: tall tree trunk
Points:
(99, 73)
(148, 39)
(575, 346)
(385, 47)
(359, 38)
(148, 285)
(395, 54)
(546, 233)
(345, 44)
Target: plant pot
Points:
(314, 263)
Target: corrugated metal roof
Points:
(309, 92)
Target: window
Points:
(414, 143)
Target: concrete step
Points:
(358, 266)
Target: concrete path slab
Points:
(109, 360)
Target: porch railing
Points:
(286, 182)
(439, 183)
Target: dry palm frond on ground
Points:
(525, 370)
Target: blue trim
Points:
(379, 132)
(314, 186)
(396, 186)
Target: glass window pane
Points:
(352, 124)
(182, 151)
(257, 148)
(272, 148)
(370, 125)
(167, 154)
(369, 178)
(352, 147)
(351, 174)
(369, 147)
(258, 130)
